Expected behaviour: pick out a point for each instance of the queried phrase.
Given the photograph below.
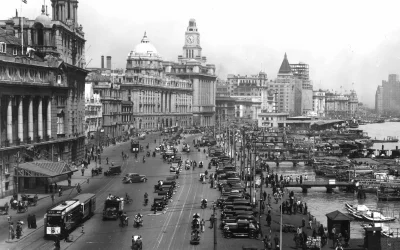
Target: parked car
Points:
(173, 168)
(134, 177)
(241, 228)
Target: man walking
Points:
(212, 221)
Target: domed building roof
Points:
(43, 19)
(145, 47)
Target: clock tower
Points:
(192, 48)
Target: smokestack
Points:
(102, 62)
(109, 62)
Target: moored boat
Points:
(357, 211)
(376, 217)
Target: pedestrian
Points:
(276, 240)
(11, 230)
(60, 192)
(83, 171)
(33, 221)
(268, 219)
(310, 222)
(57, 243)
(107, 160)
(212, 221)
(52, 198)
(333, 236)
(202, 225)
(55, 186)
(303, 222)
(29, 219)
(265, 195)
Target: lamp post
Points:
(17, 158)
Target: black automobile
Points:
(114, 170)
(241, 228)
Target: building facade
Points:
(93, 111)
(159, 99)
(341, 106)
(379, 100)
(42, 85)
(192, 67)
(250, 92)
(391, 94)
(110, 98)
(319, 103)
(284, 87)
(225, 104)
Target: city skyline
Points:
(341, 45)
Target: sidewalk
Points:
(7, 199)
(75, 179)
(293, 219)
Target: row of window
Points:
(25, 74)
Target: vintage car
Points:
(113, 170)
(241, 228)
(134, 177)
(173, 168)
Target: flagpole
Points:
(22, 32)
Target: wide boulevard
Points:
(165, 230)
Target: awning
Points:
(43, 169)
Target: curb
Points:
(24, 236)
(75, 239)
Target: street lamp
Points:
(17, 159)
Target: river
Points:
(320, 203)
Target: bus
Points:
(64, 217)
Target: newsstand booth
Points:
(40, 174)
(340, 221)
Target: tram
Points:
(135, 146)
(64, 217)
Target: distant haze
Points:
(342, 41)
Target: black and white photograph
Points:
(209, 125)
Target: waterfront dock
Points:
(327, 184)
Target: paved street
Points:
(162, 231)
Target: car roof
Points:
(132, 174)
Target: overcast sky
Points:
(344, 42)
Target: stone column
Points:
(161, 101)
(76, 13)
(49, 117)
(40, 118)
(9, 119)
(20, 119)
(30, 118)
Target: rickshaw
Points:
(137, 242)
(22, 207)
(32, 201)
(4, 209)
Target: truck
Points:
(112, 208)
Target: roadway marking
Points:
(190, 214)
(176, 226)
(167, 221)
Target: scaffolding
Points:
(300, 71)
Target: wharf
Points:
(329, 186)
